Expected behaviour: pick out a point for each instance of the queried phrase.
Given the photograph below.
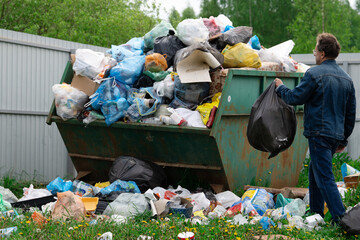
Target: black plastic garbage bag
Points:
(351, 221)
(168, 45)
(104, 200)
(143, 81)
(189, 95)
(231, 37)
(272, 123)
(145, 174)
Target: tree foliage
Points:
(315, 17)
(188, 13)
(275, 21)
(269, 19)
(106, 22)
(174, 17)
(97, 22)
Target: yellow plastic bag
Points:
(102, 184)
(240, 55)
(205, 108)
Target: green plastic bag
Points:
(282, 201)
(158, 76)
(162, 29)
(4, 205)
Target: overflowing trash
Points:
(170, 77)
(169, 67)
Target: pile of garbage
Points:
(119, 200)
(168, 76)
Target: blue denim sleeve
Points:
(350, 115)
(300, 94)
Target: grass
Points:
(171, 226)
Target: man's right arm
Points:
(300, 94)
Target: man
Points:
(328, 95)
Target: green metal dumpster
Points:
(221, 156)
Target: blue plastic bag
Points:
(260, 199)
(138, 107)
(107, 91)
(128, 70)
(59, 185)
(227, 28)
(119, 185)
(114, 110)
(134, 47)
(265, 223)
(254, 42)
(347, 170)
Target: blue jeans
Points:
(322, 186)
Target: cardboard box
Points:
(352, 181)
(84, 84)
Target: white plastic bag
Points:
(240, 220)
(88, 63)
(297, 207)
(160, 191)
(165, 88)
(8, 195)
(217, 212)
(69, 101)
(222, 21)
(227, 198)
(199, 201)
(127, 204)
(182, 192)
(32, 193)
(280, 54)
(193, 118)
(191, 31)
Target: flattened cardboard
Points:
(195, 68)
(84, 84)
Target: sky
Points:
(180, 5)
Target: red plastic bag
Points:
(168, 195)
(211, 25)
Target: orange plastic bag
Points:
(38, 218)
(68, 205)
(155, 63)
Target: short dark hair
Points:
(327, 43)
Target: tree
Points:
(174, 17)
(97, 22)
(188, 13)
(209, 8)
(331, 16)
(269, 19)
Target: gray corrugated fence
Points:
(29, 66)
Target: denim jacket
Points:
(328, 95)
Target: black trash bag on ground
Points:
(272, 123)
(350, 222)
(168, 45)
(145, 174)
(231, 37)
(104, 200)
